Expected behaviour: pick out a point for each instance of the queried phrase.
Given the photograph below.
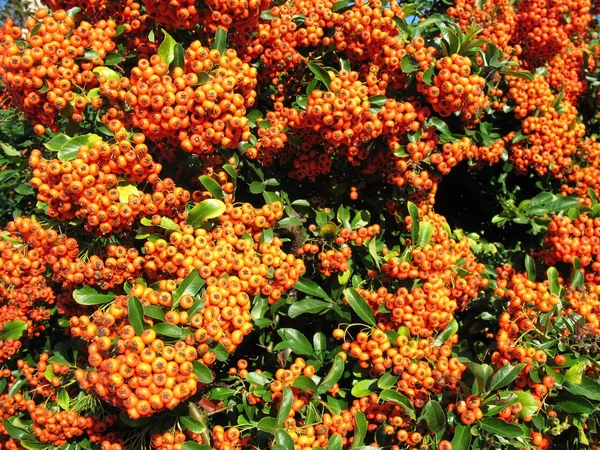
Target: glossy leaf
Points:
(333, 376)
(135, 314)
(205, 210)
(360, 306)
(87, 295)
(285, 406)
(505, 376)
(13, 329)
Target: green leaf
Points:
(165, 222)
(360, 306)
(577, 278)
(112, 59)
(257, 378)
(194, 426)
(190, 285)
(407, 65)
(311, 288)
(529, 404)
(360, 430)
(333, 376)
(335, 442)
(135, 314)
(393, 396)
(462, 437)
(154, 312)
(57, 142)
(450, 329)
(166, 50)
(13, 329)
(9, 150)
(505, 376)
(87, 295)
(168, 330)
(285, 406)
(574, 404)
(257, 187)
(575, 373)
(130, 189)
(62, 399)
(499, 427)
(268, 425)
(304, 383)
(220, 42)
(525, 75)
(15, 432)
(482, 373)
(553, 279)
(364, 388)
(340, 5)
(221, 352)
(425, 233)
(588, 388)
(414, 215)
(320, 74)
(211, 186)
(3, 384)
(434, 416)
(191, 445)
(205, 210)
(530, 267)
(283, 439)
(308, 306)
(295, 341)
(387, 381)
(179, 57)
(203, 373)
(70, 149)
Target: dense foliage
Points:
(300, 224)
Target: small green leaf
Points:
(212, 186)
(462, 437)
(414, 215)
(311, 288)
(295, 341)
(425, 233)
(285, 406)
(450, 329)
(530, 267)
(309, 306)
(320, 74)
(360, 430)
(364, 388)
(305, 384)
(166, 50)
(203, 373)
(87, 295)
(57, 142)
(434, 416)
(191, 445)
(205, 210)
(190, 285)
(390, 395)
(505, 376)
(553, 279)
(62, 399)
(268, 425)
(333, 376)
(360, 306)
(194, 426)
(500, 427)
(168, 330)
(220, 42)
(13, 329)
(135, 314)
